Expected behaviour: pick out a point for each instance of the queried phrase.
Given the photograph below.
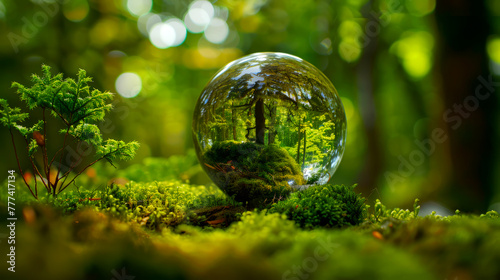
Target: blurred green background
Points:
(416, 77)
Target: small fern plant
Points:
(79, 108)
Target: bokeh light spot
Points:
(162, 35)
(139, 7)
(104, 31)
(421, 7)
(493, 48)
(415, 50)
(217, 31)
(348, 107)
(198, 16)
(325, 46)
(349, 50)
(196, 20)
(249, 24)
(2, 10)
(146, 22)
(417, 63)
(493, 7)
(205, 6)
(180, 30)
(349, 28)
(128, 84)
(75, 10)
(152, 21)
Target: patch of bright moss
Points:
(323, 206)
(250, 172)
(154, 205)
(388, 244)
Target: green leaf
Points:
(9, 117)
(89, 133)
(32, 148)
(77, 104)
(114, 149)
(28, 131)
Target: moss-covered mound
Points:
(323, 206)
(173, 230)
(250, 172)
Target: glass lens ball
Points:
(267, 123)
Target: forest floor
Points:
(174, 230)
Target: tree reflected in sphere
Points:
(267, 123)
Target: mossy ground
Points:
(174, 230)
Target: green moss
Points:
(466, 246)
(251, 172)
(89, 245)
(382, 213)
(155, 205)
(389, 244)
(323, 206)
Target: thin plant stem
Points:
(35, 168)
(19, 165)
(62, 152)
(79, 173)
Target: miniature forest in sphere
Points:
(267, 123)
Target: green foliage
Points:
(86, 132)
(154, 205)
(72, 101)
(382, 213)
(112, 149)
(79, 107)
(251, 172)
(461, 242)
(261, 246)
(252, 222)
(490, 215)
(319, 131)
(314, 178)
(323, 206)
(161, 219)
(11, 116)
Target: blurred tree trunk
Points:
(463, 29)
(233, 121)
(365, 71)
(305, 144)
(272, 121)
(299, 137)
(260, 122)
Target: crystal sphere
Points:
(267, 123)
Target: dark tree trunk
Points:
(233, 123)
(298, 143)
(366, 68)
(272, 124)
(225, 127)
(464, 28)
(260, 122)
(304, 152)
